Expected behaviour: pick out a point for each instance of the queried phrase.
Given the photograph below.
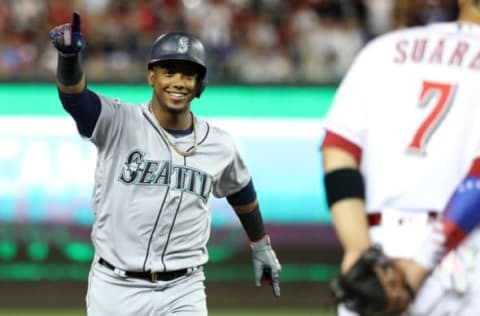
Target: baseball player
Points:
(157, 165)
(402, 138)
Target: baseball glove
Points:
(373, 286)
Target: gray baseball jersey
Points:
(150, 203)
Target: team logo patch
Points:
(182, 46)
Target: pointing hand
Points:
(67, 38)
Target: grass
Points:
(218, 312)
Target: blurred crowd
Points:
(248, 41)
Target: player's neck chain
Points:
(183, 153)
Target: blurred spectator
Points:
(212, 21)
(410, 13)
(380, 14)
(248, 41)
(259, 58)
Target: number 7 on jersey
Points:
(444, 93)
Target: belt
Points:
(147, 275)
(375, 219)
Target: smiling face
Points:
(175, 84)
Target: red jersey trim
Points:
(475, 169)
(334, 140)
(453, 235)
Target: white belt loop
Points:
(192, 269)
(120, 272)
(394, 217)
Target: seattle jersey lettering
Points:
(140, 171)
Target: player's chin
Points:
(178, 105)
(177, 108)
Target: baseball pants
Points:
(110, 294)
(454, 287)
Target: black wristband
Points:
(244, 196)
(69, 69)
(342, 184)
(252, 223)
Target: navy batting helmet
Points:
(181, 46)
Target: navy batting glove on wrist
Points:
(266, 265)
(67, 38)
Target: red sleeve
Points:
(461, 215)
(334, 140)
(453, 233)
(475, 169)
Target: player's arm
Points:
(459, 219)
(345, 192)
(245, 204)
(462, 212)
(266, 265)
(69, 42)
(81, 103)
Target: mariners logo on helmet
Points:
(182, 45)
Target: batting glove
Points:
(265, 264)
(67, 38)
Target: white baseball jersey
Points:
(410, 102)
(150, 203)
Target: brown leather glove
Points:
(373, 286)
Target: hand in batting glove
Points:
(67, 38)
(373, 286)
(265, 264)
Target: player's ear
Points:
(150, 76)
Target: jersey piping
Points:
(202, 140)
(161, 207)
(179, 203)
(170, 232)
(154, 229)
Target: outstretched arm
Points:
(82, 104)
(69, 42)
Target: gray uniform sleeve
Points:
(233, 178)
(110, 123)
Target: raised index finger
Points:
(76, 22)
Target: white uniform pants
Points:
(453, 289)
(109, 294)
